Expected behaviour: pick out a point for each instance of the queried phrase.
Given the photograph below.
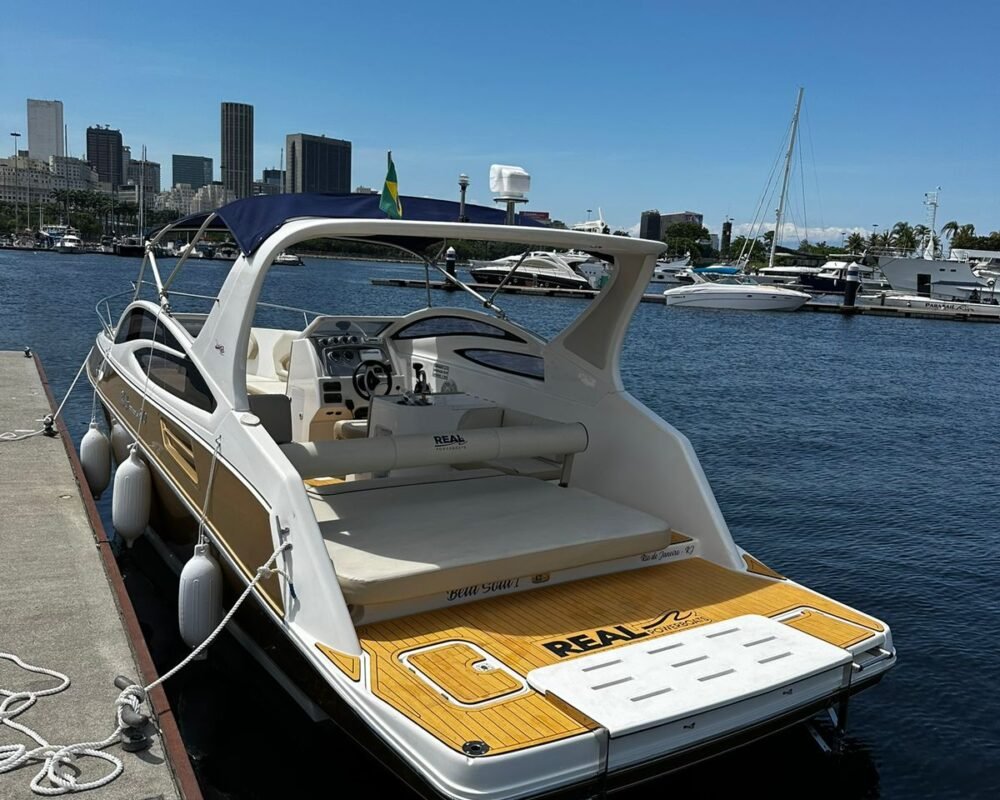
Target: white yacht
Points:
(944, 279)
(925, 273)
(498, 569)
(288, 259)
(831, 278)
(737, 292)
(541, 268)
(666, 271)
(68, 244)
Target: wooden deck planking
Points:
(512, 629)
(835, 631)
(451, 667)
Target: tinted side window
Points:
(140, 324)
(176, 375)
(453, 326)
(505, 361)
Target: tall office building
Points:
(649, 225)
(237, 148)
(317, 164)
(195, 171)
(45, 129)
(147, 173)
(675, 217)
(653, 224)
(105, 154)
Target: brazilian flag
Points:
(389, 202)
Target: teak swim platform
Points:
(458, 703)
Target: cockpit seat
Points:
(395, 543)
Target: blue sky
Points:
(623, 106)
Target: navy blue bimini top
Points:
(253, 219)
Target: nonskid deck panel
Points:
(529, 630)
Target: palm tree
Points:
(949, 229)
(903, 236)
(855, 242)
(964, 237)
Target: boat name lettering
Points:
(592, 640)
(659, 555)
(482, 589)
(449, 440)
(131, 409)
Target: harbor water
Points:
(859, 456)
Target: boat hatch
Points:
(463, 673)
(751, 660)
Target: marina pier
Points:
(65, 609)
(956, 313)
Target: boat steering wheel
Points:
(369, 374)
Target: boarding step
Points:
(700, 682)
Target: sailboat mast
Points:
(784, 184)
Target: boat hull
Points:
(282, 663)
(939, 278)
(494, 277)
(736, 301)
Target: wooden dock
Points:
(900, 312)
(64, 607)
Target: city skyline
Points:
(625, 129)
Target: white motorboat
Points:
(288, 259)
(68, 244)
(738, 292)
(666, 271)
(541, 268)
(229, 252)
(831, 278)
(496, 567)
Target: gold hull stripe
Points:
(237, 517)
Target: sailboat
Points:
(494, 566)
(743, 293)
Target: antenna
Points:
(931, 201)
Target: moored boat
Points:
(287, 259)
(535, 268)
(465, 583)
(737, 292)
(68, 244)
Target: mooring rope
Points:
(49, 420)
(56, 775)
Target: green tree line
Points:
(94, 214)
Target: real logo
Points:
(448, 440)
(593, 640)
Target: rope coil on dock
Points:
(57, 760)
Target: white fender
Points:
(132, 496)
(121, 440)
(95, 458)
(199, 597)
